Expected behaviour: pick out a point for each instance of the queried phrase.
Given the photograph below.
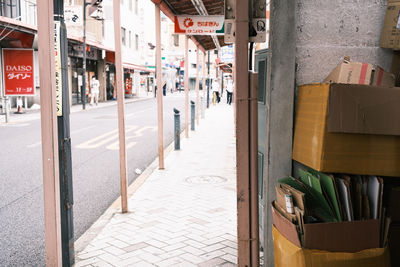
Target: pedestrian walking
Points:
(229, 92)
(94, 90)
(215, 89)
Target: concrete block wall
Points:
(327, 30)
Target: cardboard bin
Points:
(390, 37)
(348, 128)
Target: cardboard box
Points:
(287, 254)
(342, 152)
(390, 37)
(382, 78)
(351, 72)
(334, 237)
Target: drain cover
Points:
(205, 179)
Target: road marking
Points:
(34, 144)
(129, 144)
(135, 113)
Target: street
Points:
(95, 161)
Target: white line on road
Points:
(82, 129)
(34, 144)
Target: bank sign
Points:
(18, 72)
(199, 25)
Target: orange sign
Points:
(199, 25)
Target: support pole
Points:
(64, 138)
(120, 103)
(159, 90)
(83, 91)
(204, 85)
(197, 84)
(187, 86)
(51, 187)
(177, 129)
(208, 79)
(242, 133)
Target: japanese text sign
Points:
(199, 25)
(18, 72)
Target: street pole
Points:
(208, 79)
(83, 91)
(187, 86)
(204, 83)
(160, 89)
(64, 138)
(51, 189)
(197, 83)
(120, 103)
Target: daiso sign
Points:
(18, 72)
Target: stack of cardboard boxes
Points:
(341, 207)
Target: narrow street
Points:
(95, 171)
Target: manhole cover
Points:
(205, 179)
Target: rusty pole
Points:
(197, 83)
(242, 132)
(159, 89)
(121, 112)
(48, 115)
(187, 86)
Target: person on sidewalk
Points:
(215, 89)
(94, 90)
(229, 92)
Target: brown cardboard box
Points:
(382, 78)
(363, 154)
(390, 37)
(335, 237)
(351, 72)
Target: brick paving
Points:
(184, 215)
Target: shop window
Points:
(136, 42)
(136, 7)
(130, 5)
(130, 39)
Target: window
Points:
(130, 39)
(123, 35)
(176, 40)
(136, 42)
(136, 7)
(130, 5)
(10, 8)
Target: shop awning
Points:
(137, 67)
(89, 42)
(185, 7)
(16, 34)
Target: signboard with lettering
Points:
(57, 48)
(199, 25)
(227, 54)
(73, 15)
(18, 72)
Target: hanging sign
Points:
(57, 61)
(18, 72)
(199, 25)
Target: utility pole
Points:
(83, 91)
(64, 139)
(208, 78)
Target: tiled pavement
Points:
(184, 215)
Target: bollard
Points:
(193, 113)
(202, 107)
(177, 123)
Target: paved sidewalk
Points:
(184, 215)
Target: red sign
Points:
(18, 73)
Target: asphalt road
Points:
(95, 161)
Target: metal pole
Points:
(51, 189)
(242, 133)
(177, 127)
(160, 90)
(208, 80)
(204, 85)
(187, 86)
(192, 115)
(120, 103)
(83, 91)
(64, 138)
(197, 83)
